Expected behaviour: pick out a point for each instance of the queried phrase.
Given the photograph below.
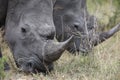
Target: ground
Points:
(101, 64)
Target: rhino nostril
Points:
(30, 64)
(77, 50)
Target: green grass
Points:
(2, 73)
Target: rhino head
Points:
(71, 18)
(30, 34)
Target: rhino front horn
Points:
(53, 50)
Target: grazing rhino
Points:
(30, 34)
(71, 17)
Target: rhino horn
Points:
(105, 35)
(53, 50)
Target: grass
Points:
(2, 73)
(102, 11)
(101, 64)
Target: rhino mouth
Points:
(34, 65)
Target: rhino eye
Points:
(23, 30)
(76, 26)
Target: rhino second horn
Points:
(53, 50)
(105, 35)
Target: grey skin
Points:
(30, 34)
(71, 18)
(3, 11)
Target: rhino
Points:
(29, 32)
(72, 18)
